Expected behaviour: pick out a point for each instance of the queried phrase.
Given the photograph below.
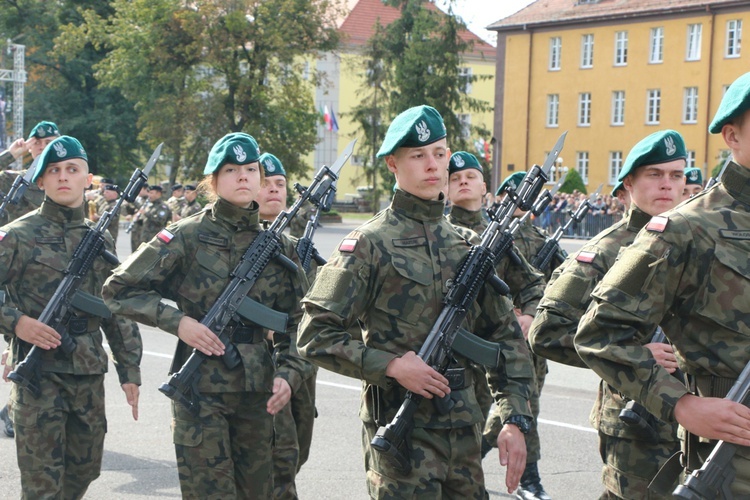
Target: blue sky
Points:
(480, 13)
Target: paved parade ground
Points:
(139, 460)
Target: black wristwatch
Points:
(521, 421)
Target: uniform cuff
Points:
(130, 375)
(169, 318)
(374, 363)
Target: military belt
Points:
(248, 335)
(83, 325)
(709, 386)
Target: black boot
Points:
(531, 485)
(6, 422)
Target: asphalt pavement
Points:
(139, 460)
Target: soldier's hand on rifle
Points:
(417, 376)
(664, 355)
(282, 393)
(512, 448)
(199, 336)
(131, 393)
(35, 332)
(714, 418)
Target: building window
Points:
(656, 50)
(555, 52)
(690, 159)
(621, 48)
(653, 107)
(694, 42)
(690, 105)
(465, 121)
(582, 165)
(464, 80)
(618, 107)
(584, 109)
(615, 164)
(734, 37)
(587, 51)
(553, 109)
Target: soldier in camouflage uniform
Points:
(176, 202)
(133, 211)
(467, 189)
(155, 214)
(224, 452)
(60, 434)
(191, 206)
(693, 182)
(293, 425)
(653, 174)
(372, 306)
(688, 272)
(111, 194)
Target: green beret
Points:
(513, 181)
(461, 160)
(693, 175)
(62, 148)
(617, 187)
(736, 101)
(659, 147)
(271, 165)
(237, 148)
(414, 128)
(44, 129)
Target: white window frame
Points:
(553, 110)
(690, 162)
(693, 48)
(464, 79)
(615, 165)
(656, 46)
(621, 48)
(584, 109)
(618, 108)
(733, 39)
(582, 165)
(690, 105)
(587, 51)
(555, 53)
(653, 106)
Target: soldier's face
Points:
(65, 181)
(421, 171)
(191, 194)
(272, 196)
(466, 189)
(154, 194)
(37, 145)
(690, 191)
(657, 188)
(239, 184)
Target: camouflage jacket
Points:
(189, 209)
(529, 240)
(298, 223)
(687, 271)
(176, 204)
(114, 224)
(378, 297)
(155, 217)
(31, 200)
(190, 263)
(34, 253)
(526, 285)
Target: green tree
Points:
(572, 182)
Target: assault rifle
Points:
(305, 248)
(234, 305)
(447, 335)
(552, 247)
(714, 479)
(67, 297)
(18, 188)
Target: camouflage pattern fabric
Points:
(34, 252)
(191, 265)
(176, 204)
(299, 222)
(688, 272)
(477, 221)
(377, 298)
(114, 225)
(31, 200)
(189, 209)
(132, 209)
(155, 218)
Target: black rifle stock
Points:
(233, 302)
(18, 188)
(305, 247)
(447, 335)
(59, 309)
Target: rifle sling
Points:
(263, 316)
(666, 479)
(477, 349)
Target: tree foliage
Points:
(572, 182)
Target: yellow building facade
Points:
(610, 76)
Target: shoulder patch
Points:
(165, 236)
(586, 257)
(410, 242)
(657, 224)
(212, 240)
(348, 245)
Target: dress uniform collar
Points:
(240, 218)
(736, 180)
(466, 218)
(417, 208)
(61, 214)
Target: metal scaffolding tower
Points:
(17, 75)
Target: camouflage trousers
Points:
(59, 435)
(135, 237)
(226, 451)
(293, 429)
(493, 425)
(446, 464)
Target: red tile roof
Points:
(546, 12)
(359, 25)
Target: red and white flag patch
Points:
(2, 235)
(165, 236)
(657, 224)
(348, 245)
(587, 257)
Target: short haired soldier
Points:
(224, 451)
(272, 196)
(653, 175)
(372, 306)
(693, 182)
(60, 434)
(176, 201)
(155, 214)
(686, 271)
(192, 205)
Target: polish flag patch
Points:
(165, 236)
(2, 235)
(587, 257)
(657, 224)
(348, 245)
